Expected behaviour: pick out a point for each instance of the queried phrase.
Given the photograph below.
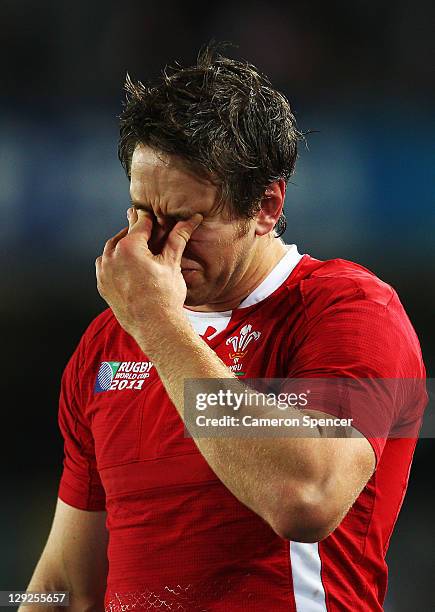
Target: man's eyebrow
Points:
(183, 214)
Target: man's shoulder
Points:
(326, 283)
(99, 325)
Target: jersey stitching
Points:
(185, 485)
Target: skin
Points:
(74, 559)
(229, 257)
(302, 487)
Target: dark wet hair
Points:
(223, 118)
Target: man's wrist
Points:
(163, 332)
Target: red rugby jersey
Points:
(179, 540)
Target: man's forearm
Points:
(265, 473)
(50, 576)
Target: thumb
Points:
(131, 217)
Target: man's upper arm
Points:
(360, 340)
(78, 542)
(352, 461)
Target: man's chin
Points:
(193, 300)
(195, 296)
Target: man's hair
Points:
(223, 118)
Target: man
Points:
(224, 523)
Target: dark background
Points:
(361, 74)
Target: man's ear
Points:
(271, 207)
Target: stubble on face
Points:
(232, 255)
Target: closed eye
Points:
(147, 209)
(182, 216)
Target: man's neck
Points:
(260, 266)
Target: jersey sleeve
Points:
(80, 485)
(368, 343)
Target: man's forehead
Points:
(163, 178)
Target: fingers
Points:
(98, 274)
(98, 267)
(140, 220)
(132, 217)
(179, 237)
(112, 242)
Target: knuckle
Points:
(183, 233)
(122, 247)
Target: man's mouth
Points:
(185, 267)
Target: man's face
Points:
(219, 250)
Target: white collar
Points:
(275, 278)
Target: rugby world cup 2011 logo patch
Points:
(119, 375)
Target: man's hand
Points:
(143, 289)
